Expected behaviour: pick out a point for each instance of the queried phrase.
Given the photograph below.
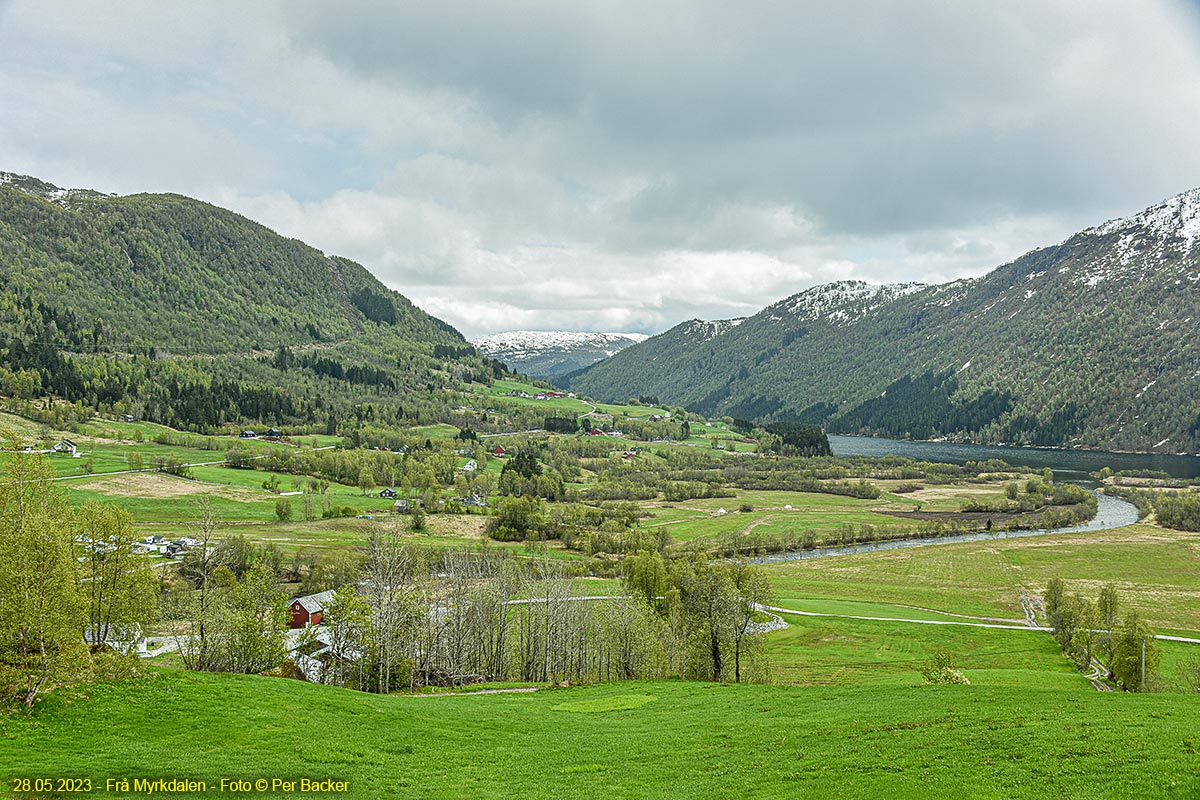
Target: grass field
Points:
(770, 514)
(621, 740)
(1156, 570)
(236, 495)
(825, 651)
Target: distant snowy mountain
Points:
(549, 354)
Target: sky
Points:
(613, 165)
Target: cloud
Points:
(600, 165)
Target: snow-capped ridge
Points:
(705, 329)
(1178, 216)
(841, 302)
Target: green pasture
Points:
(1155, 570)
(235, 495)
(699, 518)
(830, 651)
(622, 740)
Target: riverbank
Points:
(1111, 513)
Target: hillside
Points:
(188, 314)
(649, 740)
(550, 354)
(1091, 343)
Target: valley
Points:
(368, 518)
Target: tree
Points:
(1136, 656)
(1107, 611)
(283, 509)
(707, 600)
(646, 575)
(1052, 598)
(366, 480)
(198, 607)
(391, 592)
(347, 620)
(524, 463)
(753, 591)
(42, 611)
(254, 620)
(333, 570)
(118, 584)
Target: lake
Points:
(1073, 464)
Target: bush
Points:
(939, 671)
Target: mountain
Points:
(189, 314)
(1094, 342)
(550, 354)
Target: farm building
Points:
(248, 434)
(66, 446)
(310, 609)
(499, 451)
(388, 494)
(470, 466)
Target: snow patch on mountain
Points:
(1178, 217)
(844, 302)
(46, 191)
(705, 329)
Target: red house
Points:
(310, 609)
(499, 450)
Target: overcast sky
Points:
(619, 166)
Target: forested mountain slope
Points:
(1093, 342)
(189, 314)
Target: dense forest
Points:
(173, 310)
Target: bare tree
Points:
(200, 606)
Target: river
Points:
(1070, 465)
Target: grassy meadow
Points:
(620, 740)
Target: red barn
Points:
(499, 450)
(310, 609)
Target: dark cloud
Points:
(599, 164)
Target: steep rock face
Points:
(550, 354)
(1092, 342)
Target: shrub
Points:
(938, 670)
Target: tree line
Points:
(1098, 633)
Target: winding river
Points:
(1070, 465)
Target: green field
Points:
(620, 740)
(700, 518)
(1156, 570)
